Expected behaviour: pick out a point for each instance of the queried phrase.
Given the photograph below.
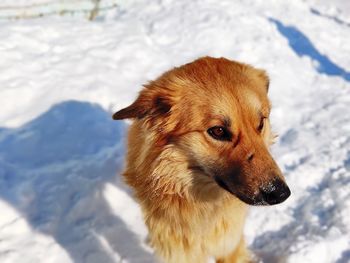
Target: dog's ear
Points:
(148, 103)
(137, 109)
(263, 75)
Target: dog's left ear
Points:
(148, 103)
(263, 75)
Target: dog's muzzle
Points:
(273, 193)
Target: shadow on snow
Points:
(302, 46)
(53, 170)
(333, 18)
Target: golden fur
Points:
(171, 158)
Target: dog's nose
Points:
(275, 192)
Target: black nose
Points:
(275, 192)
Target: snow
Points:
(61, 196)
(16, 233)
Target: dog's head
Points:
(216, 112)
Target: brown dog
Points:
(198, 154)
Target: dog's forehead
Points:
(230, 95)
(211, 86)
(248, 98)
(243, 101)
(222, 76)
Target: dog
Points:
(198, 157)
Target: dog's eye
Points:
(261, 124)
(220, 133)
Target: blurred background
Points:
(65, 66)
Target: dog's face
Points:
(216, 112)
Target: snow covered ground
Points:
(61, 199)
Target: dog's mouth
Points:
(273, 193)
(276, 193)
(245, 199)
(223, 185)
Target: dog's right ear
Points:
(147, 103)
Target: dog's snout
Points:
(275, 192)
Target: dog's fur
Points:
(176, 167)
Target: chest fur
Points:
(198, 231)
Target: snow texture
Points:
(61, 196)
